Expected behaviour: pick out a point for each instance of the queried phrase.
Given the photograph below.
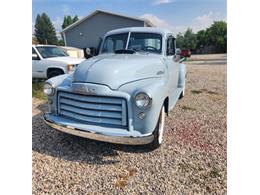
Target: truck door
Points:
(173, 66)
(37, 71)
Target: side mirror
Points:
(88, 52)
(35, 56)
(178, 51)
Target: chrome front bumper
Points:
(118, 139)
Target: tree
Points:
(34, 40)
(61, 42)
(44, 30)
(201, 39)
(218, 35)
(75, 19)
(190, 39)
(68, 20)
(187, 40)
(179, 40)
(212, 39)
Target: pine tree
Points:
(68, 20)
(75, 19)
(44, 30)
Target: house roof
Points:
(147, 22)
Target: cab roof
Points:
(161, 31)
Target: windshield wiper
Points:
(125, 51)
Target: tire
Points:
(158, 132)
(182, 93)
(54, 73)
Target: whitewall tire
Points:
(158, 132)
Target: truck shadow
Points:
(46, 140)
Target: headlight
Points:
(70, 67)
(48, 89)
(143, 100)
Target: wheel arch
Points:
(49, 69)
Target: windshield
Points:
(148, 42)
(114, 42)
(139, 42)
(50, 52)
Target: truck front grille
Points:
(101, 110)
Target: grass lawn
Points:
(37, 90)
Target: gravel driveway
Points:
(192, 159)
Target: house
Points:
(89, 31)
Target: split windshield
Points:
(50, 52)
(139, 42)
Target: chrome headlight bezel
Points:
(143, 100)
(48, 89)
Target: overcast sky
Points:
(176, 15)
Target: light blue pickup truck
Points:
(123, 94)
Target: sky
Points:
(176, 15)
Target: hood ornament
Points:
(83, 89)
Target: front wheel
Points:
(158, 132)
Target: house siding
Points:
(88, 33)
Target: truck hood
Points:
(115, 70)
(66, 60)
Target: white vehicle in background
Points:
(73, 51)
(50, 61)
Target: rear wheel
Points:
(158, 132)
(54, 73)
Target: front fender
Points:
(157, 88)
(61, 80)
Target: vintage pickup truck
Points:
(121, 95)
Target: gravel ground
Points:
(192, 159)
